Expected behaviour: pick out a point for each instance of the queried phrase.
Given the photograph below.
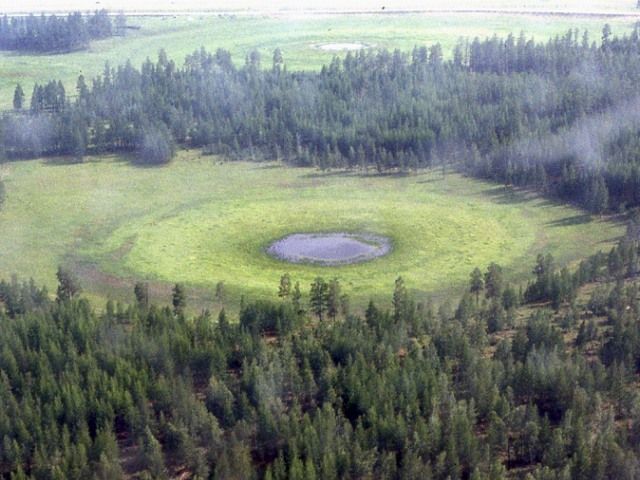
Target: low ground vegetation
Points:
(201, 222)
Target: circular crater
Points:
(329, 249)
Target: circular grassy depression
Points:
(432, 242)
(220, 228)
(198, 221)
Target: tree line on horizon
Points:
(57, 33)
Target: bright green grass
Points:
(198, 221)
(297, 36)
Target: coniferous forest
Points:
(538, 381)
(299, 388)
(560, 117)
(57, 34)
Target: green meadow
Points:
(201, 221)
(300, 37)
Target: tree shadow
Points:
(355, 174)
(48, 53)
(268, 166)
(569, 221)
(329, 174)
(507, 195)
(428, 180)
(64, 161)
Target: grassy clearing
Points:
(199, 221)
(298, 36)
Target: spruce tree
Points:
(333, 298)
(141, 292)
(284, 289)
(476, 284)
(179, 299)
(318, 297)
(68, 286)
(18, 98)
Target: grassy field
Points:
(299, 37)
(199, 221)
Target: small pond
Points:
(329, 249)
(336, 47)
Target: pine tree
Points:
(400, 299)
(476, 283)
(296, 299)
(598, 196)
(220, 293)
(68, 286)
(493, 281)
(284, 289)
(141, 292)
(278, 60)
(333, 298)
(318, 297)
(179, 299)
(18, 98)
(151, 455)
(309, 470)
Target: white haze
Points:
(270, 6)
(585, 141)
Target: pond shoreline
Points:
(329, 249)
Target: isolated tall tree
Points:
(493, 281)
(333, 298)
(345, 305)
(606, 35)
(318, 297)
(400, 299)
(81, 88)
(141, 291)
(179, 299)
(220, 292)
(278, 60)
(18, 98)
(284, 289)
(68, 286)
(296, 299)
(476, 284)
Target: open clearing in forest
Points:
(199, 221)
(298, 36)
